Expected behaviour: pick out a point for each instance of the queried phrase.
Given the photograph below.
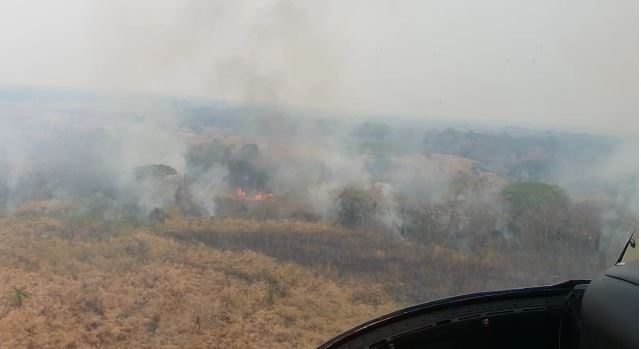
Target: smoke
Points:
(81, 152)
(437, 59)
(388, 212)
(269, 53)
(615, 172)
(53, 150)
(207, 186)
(295, 81)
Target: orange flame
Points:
(262, 196)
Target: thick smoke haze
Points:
(194, 173)
(57, 144)
(303, 100)
(70, 146)
(570, 64)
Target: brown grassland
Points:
(408, 272)
(134, 288)
(230, 282)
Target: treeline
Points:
(520, 158)
(237, 160)
(524, 215)
(528, 156)
(462, 213)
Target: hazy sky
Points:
(538, 63)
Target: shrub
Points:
(527, 195)
(356, 207)
(18, 295)
(158, 171)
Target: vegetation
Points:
(408, 272)
(18, 296)
(137, 289)
(158, 215)
(532, 195)
(158, 171)
(206, 155)
(270, 244)
(526, 157)
(188, 282)
(357, 207)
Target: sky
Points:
(569, 64)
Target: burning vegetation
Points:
(260, 196)
(274, 222)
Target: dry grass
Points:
(408, 272)
(137, 289)
(235, 283)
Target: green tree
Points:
(529, 170)
(357, 207)
(538, 213)
(202, 157)
(530, 195)
(155, 171)
(158, 216)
